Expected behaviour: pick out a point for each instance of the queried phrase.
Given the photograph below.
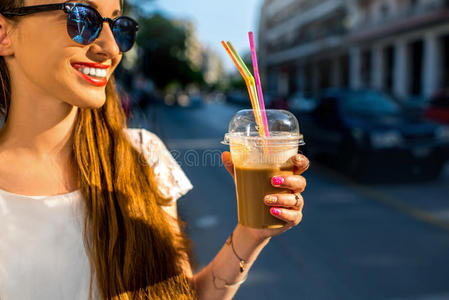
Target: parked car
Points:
(415, 106)
(300, 103)
(367, 131)
(438, 108)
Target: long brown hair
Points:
(133, 250)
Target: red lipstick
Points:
(90, 65)
(100, 82)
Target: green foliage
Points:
(238, 83)
(163, 57)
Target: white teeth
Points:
(101, 73)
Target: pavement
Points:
(356, 241)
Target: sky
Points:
(216, 21)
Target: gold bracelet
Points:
(226, 285)
(242, 261)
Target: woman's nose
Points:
(106, 42)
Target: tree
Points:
(164, 52)
(163, 48)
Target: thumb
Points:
(227, 162)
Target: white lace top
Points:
(42, 255)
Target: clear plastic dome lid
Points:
(283, 128)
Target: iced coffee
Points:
(257, 159)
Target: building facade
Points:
(399, 46)
(201, 57)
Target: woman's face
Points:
(47, 59)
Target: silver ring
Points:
(297, 200)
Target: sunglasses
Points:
(84, 23)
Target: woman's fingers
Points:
(227, 162)
(295, 201)
(292, 217)
(296, 183)
(300, 163)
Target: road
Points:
(355, 241)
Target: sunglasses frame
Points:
(67, 7)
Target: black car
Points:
(365, 131)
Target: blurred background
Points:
(368, 81)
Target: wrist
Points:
(251, 235)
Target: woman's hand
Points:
(287, 207)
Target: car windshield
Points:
(369, 102)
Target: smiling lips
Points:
(94, 73)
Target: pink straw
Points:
(258, 85)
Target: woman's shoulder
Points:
(142, 136)
(148, 143)
(173, 183)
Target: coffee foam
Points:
(250, 156)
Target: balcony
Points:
(316, 31)
(404, 19)
(369, 20)
(300, 18)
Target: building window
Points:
(366, 67)
(445, 63)
(344, 63)
(389, 57)
(415, 63)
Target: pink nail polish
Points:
(275, 211)
(277, 180)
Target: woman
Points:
(65, 137)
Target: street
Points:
(388, 241)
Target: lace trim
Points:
(172, 181)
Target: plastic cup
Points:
(257, 159)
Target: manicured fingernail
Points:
(297, 159)
(270, 199)
(277, 180)
(275, 211)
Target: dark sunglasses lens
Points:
(124, 31)
(83, 25)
